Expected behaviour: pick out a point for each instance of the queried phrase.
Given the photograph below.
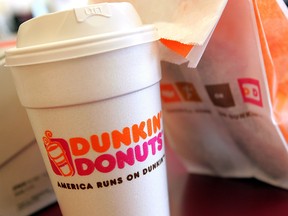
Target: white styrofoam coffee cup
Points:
(89, 80)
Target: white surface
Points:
(24, 183)
(15, 128)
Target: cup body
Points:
(98, 123)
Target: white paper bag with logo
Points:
(227, 116)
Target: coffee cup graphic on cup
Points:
(89, 80)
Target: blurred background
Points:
(14, 12)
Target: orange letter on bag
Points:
(79, 146)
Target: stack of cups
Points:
(89, 80)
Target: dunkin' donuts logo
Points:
(83, 156)
(251, 92)
(179, 91)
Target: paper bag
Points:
(228, 117)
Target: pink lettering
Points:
(105, 163)
(84, 166)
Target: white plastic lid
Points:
(79, 32)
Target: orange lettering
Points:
(96, 143)
(79, 146)
(121, 137)
(149, 127)
(138, 132)
(157, 122)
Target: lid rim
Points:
(80, 47)
(81, 40)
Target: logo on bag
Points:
(250, 90)
(220, 95)
(174, 92)
(83, 156)
(188, 91)
(179, 91)
(169, 93)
